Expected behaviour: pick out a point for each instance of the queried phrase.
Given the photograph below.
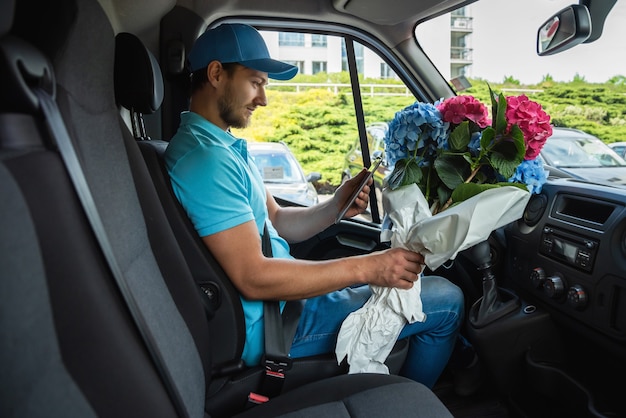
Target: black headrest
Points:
(7, 8)
(138, 78)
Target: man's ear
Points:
(215, 73)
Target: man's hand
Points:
(343, 193)
(395, 267)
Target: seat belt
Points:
(62, 139)
(279, 333)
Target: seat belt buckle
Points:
(276, 366)
(257, 399)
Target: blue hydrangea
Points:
(474, 145)
(415, 127)
(531, 173)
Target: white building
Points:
(320, 53)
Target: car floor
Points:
(485, 403)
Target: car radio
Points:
(571, 249)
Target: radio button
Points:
(577, 297)
(583, 259)
(554, 287)
(537, 277)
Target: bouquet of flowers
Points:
(453, 151)
(457, 176)
(453, 154)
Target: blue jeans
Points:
(430, 342)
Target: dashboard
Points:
(568, 255)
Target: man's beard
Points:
(227, 106)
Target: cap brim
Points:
(276, 70)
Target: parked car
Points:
(283, 174)
(583, 156)
(619, 148)
(109, 304)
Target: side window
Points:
(315, 112)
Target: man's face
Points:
(243, 92)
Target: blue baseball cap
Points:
(236, 42)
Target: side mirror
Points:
(313, 177)
(566, 29)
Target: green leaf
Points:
(405, 172)
(494, 105)
(498, 111)
(443, 194)
(518, 137)
(452, 169)
(509, 152)
(468, 190)
(486, 138)
(504, 166)
(501, 115)
(459, 137)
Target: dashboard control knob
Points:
(577, 297)
(554, 287)
(537, 277)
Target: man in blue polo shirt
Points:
(224, 196)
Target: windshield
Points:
(580, 152)
(278, 167)
(485, 46)
(492, 43)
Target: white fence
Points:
(369, 89)
(366, 89)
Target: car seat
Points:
(138, 89)
(71, 346)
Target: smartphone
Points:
(357, 190)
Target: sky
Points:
(496, 56)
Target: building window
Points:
(318, 67)
(386, 71)
(318, 41)
(290, 39)
(358, 56)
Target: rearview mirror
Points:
(569, 27)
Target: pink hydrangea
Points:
(460, 108)
(532, 120)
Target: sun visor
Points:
(390, 12)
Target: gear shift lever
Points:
(493, 304)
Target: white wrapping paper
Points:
(368, 335)
(441, 237)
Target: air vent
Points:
(586, 209)
(534, 209)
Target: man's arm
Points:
(297, 224)
(238, 250)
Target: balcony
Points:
(461, 23)
(460, 55)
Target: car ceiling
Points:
(397, 17)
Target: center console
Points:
(568, 254)
(565, 268)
